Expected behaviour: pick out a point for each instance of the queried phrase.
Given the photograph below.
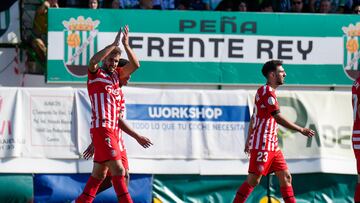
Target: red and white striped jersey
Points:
(355, 104)
(264, 135)
(107, 99)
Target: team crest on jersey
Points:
(80, 44)
(108, 142)
(351, 61)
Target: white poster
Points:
(12, 138)
(50, 122)
(187, 124)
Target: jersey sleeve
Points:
(271, 103)
(93, 75)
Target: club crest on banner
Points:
(351, 50)
(80, 44)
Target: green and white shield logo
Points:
(351, 61)
(80, 37)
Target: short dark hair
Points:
(270, 66)
(116, 51)
(122, 62)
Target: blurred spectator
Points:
(115, 4)
(183, 5)
(144, 4)
(325, 6)
(164, 4)
(297, 6)
(93, 4)
(40, 28)
(242, 7)
(336, 6)
(198, 5)
(282, 5)
(226, 5)
(356, 9)
(266, 6)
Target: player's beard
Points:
(110, 69)
(280, 81)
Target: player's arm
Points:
(134, 63)
(280, 119)
(250, 131)
(99, 56)
(143, 141)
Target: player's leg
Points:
(106, 184)
(97, 176)
(286, 189)
(247, 187)
(125, 163)
(127, 177)
(118, 179)
(281, 171)
(357, 187)
(257, 168)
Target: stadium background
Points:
(323, 168)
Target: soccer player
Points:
(105, 95)
(356, 133)
(89, 152)
(262, 142)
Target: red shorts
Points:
(106, 144)
(265, 162)
(356, 148)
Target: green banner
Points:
(15, 188)
(315, 187)
(208, 47)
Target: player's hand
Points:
(307, 132)
(144, 141)
(247, 150)
(89, 152)
(117, 39)
(125, 38)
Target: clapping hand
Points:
(89, 152)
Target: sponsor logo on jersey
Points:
(111, 90)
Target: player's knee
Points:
(118, 170)
(127, 176)
(99, 176)
(253, 181)
(287, 178)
